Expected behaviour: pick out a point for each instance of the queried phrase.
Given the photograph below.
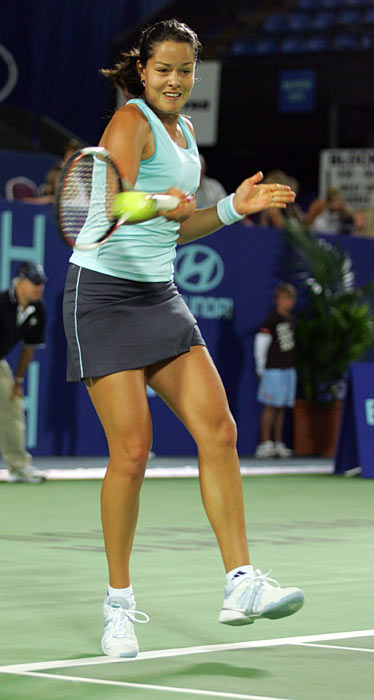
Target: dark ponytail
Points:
(125, 74)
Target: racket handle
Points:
(165, 201)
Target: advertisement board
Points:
(203, 104)
(350, 170)
(355, 445)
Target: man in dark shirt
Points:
(22, 319)
(275, 365)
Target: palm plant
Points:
(335, 325)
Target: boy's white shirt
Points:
(261, 347)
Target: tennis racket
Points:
(86, 195)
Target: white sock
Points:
(234, 576)
(120, 592)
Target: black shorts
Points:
(112, 324)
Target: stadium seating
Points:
(321, 21)
(275, 24)
(20, 187)
(309, 26)
(345, 42)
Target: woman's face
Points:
(169, 76)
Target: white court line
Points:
(335, 646)
(187, 471)
(184, 651)
(148, 686)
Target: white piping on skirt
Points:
(76, 323)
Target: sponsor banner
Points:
(350, 170)
(227, 281)
(203, 105)
(199, 269)
(355, 445)
(297, 90)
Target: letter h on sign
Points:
(369, 411)
(10, 252)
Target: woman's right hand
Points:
(184, 210)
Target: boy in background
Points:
(275, 360)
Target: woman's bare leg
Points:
(121, 404)
(191, 386)
(193, 389)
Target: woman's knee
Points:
(228, 431)
(220, 433)
(129, 458)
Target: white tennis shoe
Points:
(281, 450)
(26, 475)
(119, 638)
(255, 596)
(266, 449)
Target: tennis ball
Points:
(138, 205)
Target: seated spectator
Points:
(210, 191)
(47, 191)
(278, 218)
(48, 188)
(331, 214)
(19, 187)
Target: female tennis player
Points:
(127, 326)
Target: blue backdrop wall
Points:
(58, 48)
(227, 280)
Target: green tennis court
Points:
(313, 531)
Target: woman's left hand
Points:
(184, 210)
(251, 197)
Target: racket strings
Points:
(76, 196)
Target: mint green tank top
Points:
(144, 252)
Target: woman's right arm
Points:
(128, 138)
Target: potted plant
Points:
(335, 326)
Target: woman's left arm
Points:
(249, 198)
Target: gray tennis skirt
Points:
(112, 324)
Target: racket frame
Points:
(123, 186)
(163, 201)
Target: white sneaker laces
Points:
(121, 615)
(265, 578)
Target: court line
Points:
(187, 471)
(335, 646)
(148, 686)
(184, 651)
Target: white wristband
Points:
(226, 211)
